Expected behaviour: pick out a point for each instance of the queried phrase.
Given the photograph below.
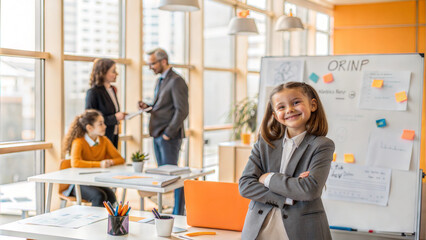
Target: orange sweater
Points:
(84, 156)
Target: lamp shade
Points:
(242, 26)
(179, 5)
(288, 23)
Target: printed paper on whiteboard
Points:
(387, 149)
(357, 183)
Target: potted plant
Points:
(138, 159)
(245, 117)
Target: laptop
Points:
(215, 205)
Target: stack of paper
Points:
(140, 179)
(169, 170)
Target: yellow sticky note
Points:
(349, 158)
(334, 157)
(401, 96)
(154, 183)
(377, 83)
(194, 234)
(408, 134)
(328, 78)
(135, 219)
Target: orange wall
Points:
(368, 29)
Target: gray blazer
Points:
(306, 219)
(170, 107)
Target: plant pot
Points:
(245, 138)
(138, 166)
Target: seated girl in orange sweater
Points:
(88, 146)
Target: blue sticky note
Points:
(314, 77)
(381, 122)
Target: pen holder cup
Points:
(118, 225)
(164, 226)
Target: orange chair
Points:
(66, 163)
(215, 205)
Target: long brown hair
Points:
(100, 69)
(272, 130)
(78, 127)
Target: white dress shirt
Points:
(90, 141)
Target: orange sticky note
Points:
(401, 96)
(194, 234)
(135, 219)
(408, 134)
(328, 78)
(377, 83)
(154, 183)
(349, 158)
(334, 157)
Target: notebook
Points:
(169, 170)
(215, 205)
(140, 179)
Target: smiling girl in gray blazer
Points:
(288, 168)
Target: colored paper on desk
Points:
(194, 234)
(377, 83)
(408, 134)
(129, 177)
(144, 179)
(381, 123)
(314, 77)
(135, 219)
(401, 96)
(388, 149)
(349, 158)
(328, 78)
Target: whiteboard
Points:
(350, 126)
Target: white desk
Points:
(98, 230)
(73, 176)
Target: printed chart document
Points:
(388, 149)
(71, 217)
(384, 98)
(169, 170)
(140, 179)
(356, 183)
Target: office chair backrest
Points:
(215, 205)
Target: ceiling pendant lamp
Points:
(288, 23)
(242, 25)
(179, 5)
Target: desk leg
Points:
(49, 197)
(78, 194)
(160, 202)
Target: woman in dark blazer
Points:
(103, 96)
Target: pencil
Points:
(107, 208)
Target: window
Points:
(218, 45)
(83, 23)
(314, 39)
(257, 43)
(21, 101)
(166, 30)
(257, 3)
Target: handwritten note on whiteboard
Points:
(356, 183)
(388, 149)
(384, 98)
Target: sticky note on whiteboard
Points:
(377, 83)
(349, 158)
(408, 134)
(328, 78)
(314, 77)
(381, 122)
(401, 96)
